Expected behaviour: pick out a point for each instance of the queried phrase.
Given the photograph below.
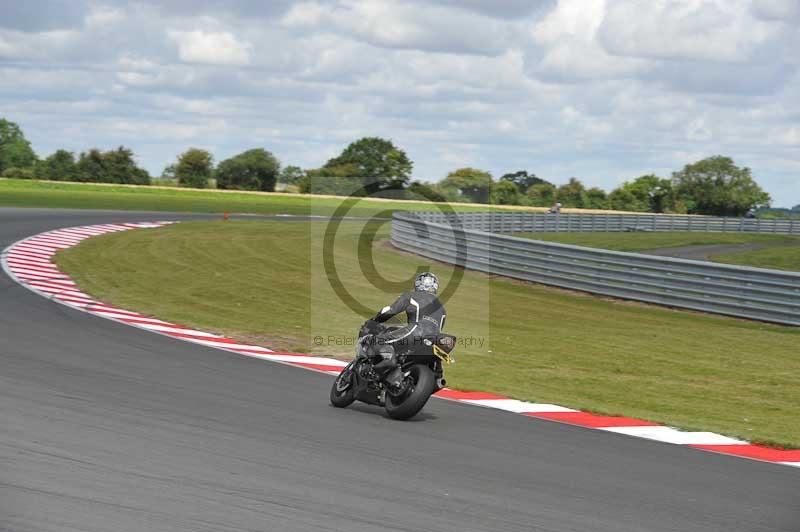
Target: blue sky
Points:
(601, 90)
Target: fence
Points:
(517, 222)
(465, 240)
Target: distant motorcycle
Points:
(420, 361)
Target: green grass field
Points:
(778, 258)
(24, 193)
(263, 281)
(780, 251)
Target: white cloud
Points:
(780, 10)
(15, 45)
(791, 136)
(682, 29)
(697, 130)
(211, 47)
(567, 48)
(103, 17)
(389, 24)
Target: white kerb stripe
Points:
(670, 435)
(793, 464)
(225, 345)
(518, 407)
(165, 328)
(320, 361)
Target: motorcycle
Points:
(421, 362)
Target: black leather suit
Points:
(425, 315)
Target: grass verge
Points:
(264, 281)
(776, 258)
(780, 252)
(52, 194)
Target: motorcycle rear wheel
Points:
(411, 402)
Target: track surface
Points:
(107, 427)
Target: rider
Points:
(425, 315)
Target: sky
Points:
(603, 90)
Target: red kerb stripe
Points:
(467, 396)
(755, 451)
(586, 419)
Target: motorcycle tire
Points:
(342, 396)
(411, 402)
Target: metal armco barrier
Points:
(519, 222)
(469, 240)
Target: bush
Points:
(255, 169)
(18, 173)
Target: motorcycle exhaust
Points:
(440, 383)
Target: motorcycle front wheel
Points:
(342, 393)
(420, 384)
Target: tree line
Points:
(373, 166)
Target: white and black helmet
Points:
(426, 282)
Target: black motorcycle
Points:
(420, 361)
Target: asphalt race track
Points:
(107, 427)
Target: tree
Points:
(291, 175)
(622, 199)
(91, 167)
(473, 184)
(255, 169)
(717, 186)
(425, 192)
(542, 195)
(60, 166)
(194, 168)
(595, 198)
(572, 193)
(504, 193)
(114, 166)
(336, 180)
(377, 162)
(523, 180)
(121, 168)
(168, 172)
(650, 194)
(15, 150)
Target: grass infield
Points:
(264, 282)
(780, 252)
